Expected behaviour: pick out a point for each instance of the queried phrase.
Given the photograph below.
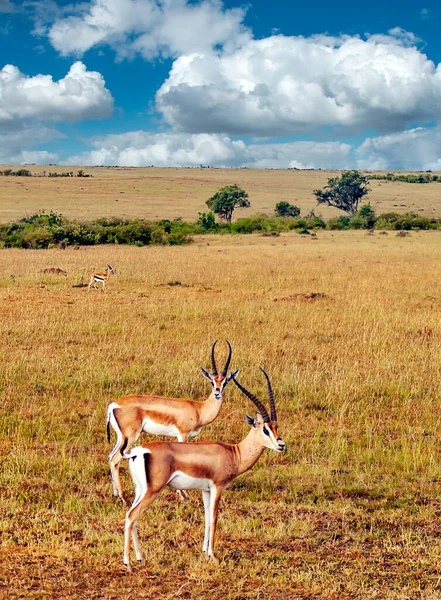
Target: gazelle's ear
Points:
(206, 374)
(251, 421)
(232, 375)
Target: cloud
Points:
(286, 85)
(147, 27)
(80, 95)
(17, 143)
(141, 148)
(6, 6)
(417, 149)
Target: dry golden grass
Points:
(348, 326)
(154, 193)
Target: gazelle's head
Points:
(110, 270)
(264, 424)
(217, 381)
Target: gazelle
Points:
(175, 417)
(100, 277)
(207, 466)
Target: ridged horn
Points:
(213, 360)
(271, 397)
(227, 364)
(257, 402)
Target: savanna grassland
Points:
(348, 326)
(154, 193)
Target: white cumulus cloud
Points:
(417, 149)
(80, 95)
(147, 27)
(285, 85)
(17, 143)
(141, 148)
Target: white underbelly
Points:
(154, 428)
(182, 481)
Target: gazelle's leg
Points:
(90, 283)
(183, 494)
(206, 499)
(115, 460)
(135, 539)
(215, 494)
(131, 526)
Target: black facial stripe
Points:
(265, 431)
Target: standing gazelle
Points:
(206, 466)
(100, 278)
(175, 417)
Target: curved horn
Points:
(213, 360)
(271, 397)
(256, 401)
(227, 364)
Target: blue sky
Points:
(259, 84)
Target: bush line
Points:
(53, 230)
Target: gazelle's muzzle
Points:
(281, 446)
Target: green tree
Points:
(344, 192)
(226, 200)
(285, 209)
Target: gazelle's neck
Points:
(210, 409)
(249, 451)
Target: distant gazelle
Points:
(207, 466)
(100, 278)
(175, 417)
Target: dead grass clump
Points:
(55, 271)
(308, 297)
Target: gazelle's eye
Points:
(265, 431)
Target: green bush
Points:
(207, 221)
(338, 223)
(285, 209)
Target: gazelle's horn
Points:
(271, 397)
(227, 364)
(256, 401)
(213, 360)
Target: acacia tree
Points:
(344, 192)
(226, 200)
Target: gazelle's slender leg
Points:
(131, 527)
(183, 494)
(215, 494)
(206, 500)
(136, 544)
(114, 462)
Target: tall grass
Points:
(347, 325)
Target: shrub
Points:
(285, 209)
(338, 223)
(207, 221)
